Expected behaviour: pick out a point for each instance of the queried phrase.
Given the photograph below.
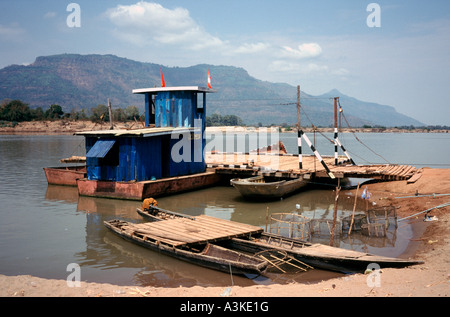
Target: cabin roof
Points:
(146, 132)
(155, 90)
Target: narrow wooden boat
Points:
(66, 175)
(318, 255)
(205, 254)
(154, 213)
(267, 187)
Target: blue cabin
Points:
(171, 144)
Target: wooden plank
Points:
(156, 232)
(391, 170)
(203, 229)
(409, 170)
(180, 233)
(131, 231)
(414, 178)
(204, 222)
(227, 228)
(228, 223)
(218, 228)
(180, 230)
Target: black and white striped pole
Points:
(303, 135)
(299, 139)
(335, 132)
(345, 151)
(336, 138)
(300, 163)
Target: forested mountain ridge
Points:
(84, 81)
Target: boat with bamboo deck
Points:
(318, 255)
(201, 253)
(315, 255)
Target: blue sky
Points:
(320, 45)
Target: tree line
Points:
(17, 111)
(227, 120)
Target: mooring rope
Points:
(428, 210)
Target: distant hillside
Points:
(84, 81)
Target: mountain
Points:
(83, 81)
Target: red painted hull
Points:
(66, 176)
(146, 189)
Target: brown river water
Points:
(45, 228)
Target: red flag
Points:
(209, 80)
(163, 83)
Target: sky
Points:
(394, 53)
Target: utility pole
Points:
(110, 115)
(298, 107)
(335, 132)
(300, 164)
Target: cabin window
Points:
(105, 152)
(200, 103)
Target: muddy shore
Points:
(429, 244)
(70, 127)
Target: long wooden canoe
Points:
(154, 213)
(318, 255)
(264, 187)
(206, 254)
(313, 254)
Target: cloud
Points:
(250, 48)
(50, 15)
(306, 50)
(144, 22)
(294, 67)
(12, 32)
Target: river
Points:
(45, 228)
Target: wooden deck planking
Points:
(182, 231)
(310, 164)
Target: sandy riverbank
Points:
(70, 127)
(431, 244)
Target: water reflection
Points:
(44, 227)
(122, 262)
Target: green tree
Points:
(119, 115)
(54, 112)
(38, 113)
(132, 112)
(214, 120)
(15, 110)
(99, 114)
(228, 120)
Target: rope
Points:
(431, 195)
(310, 121)
(440, 206)
(356, 137)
